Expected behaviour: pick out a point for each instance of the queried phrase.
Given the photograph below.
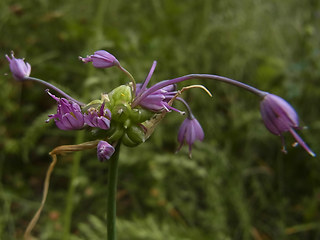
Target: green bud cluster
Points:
(126, 123)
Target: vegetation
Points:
(238, 185)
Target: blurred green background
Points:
(238, 185)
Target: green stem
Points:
(71, 190)
(112, 193)
(130, 76)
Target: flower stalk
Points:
(69, 207)
(165, 83)
(112, 193)
(49, 85)
(133, 81)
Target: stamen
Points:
(167, 106)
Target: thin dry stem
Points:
(58, 150)
(187, 88)
(35, 218)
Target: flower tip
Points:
(302, 143)
(284, 150)
(312, 154)
(85, 59)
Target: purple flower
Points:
(279, 117)
(159, 99)
(99, 119)
(190, 131)
(18, 67)
(101, 59)
(104, 151)
(68, 116)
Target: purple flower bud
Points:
(18, 67)
(101, 59)
(99, 119)
(68, 116)
(279, 117)
(104, 151)
(190, 131)
(158, 100)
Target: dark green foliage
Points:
(238, 185)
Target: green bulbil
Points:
(136, 134)
(115, 132)
(139, 115)
(125, 121)
(120, 95)
(121, 112)
(128, 142)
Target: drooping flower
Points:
(104, 151)
(19, 68)
(190, 131)
(68, 116)
(101, 59)
(99, 119)
(280, 117)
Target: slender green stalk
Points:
(130, 76)
(112, 193)
(72, 187)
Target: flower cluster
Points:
(129, 113)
